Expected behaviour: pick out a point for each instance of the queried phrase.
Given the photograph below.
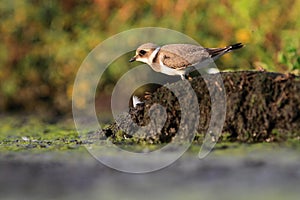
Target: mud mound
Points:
(260, 106)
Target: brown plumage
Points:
(175, 59)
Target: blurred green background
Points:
(43, 42)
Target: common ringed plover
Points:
(178, 59)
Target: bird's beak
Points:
(132, 59)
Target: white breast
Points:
(169, 71)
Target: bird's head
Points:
(144, 53)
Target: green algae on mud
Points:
(33, 134)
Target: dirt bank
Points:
(260, 106)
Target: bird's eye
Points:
(142, 52)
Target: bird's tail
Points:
(217, 52)
(234, 47)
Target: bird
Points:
(178, 59)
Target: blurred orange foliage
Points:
(44, 42)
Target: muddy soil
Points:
(260, 106)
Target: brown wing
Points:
(174, 61)
(183, 55)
